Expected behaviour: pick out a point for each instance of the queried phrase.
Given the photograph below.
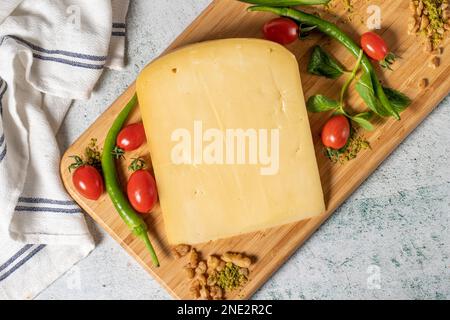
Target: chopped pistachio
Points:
(355, 144)
(230, 278)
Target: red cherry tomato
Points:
(335, 132)
(131, 137)
(281, 30)
(374, 46)
(141, 190)
(88, 182)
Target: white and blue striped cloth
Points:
(50, 53)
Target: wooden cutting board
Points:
(271, 248)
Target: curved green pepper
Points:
(333, 31)
(286, 3)
(132, 219)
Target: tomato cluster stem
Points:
(349, 80)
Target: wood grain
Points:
(271, 248)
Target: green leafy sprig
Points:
(376, 95)
(320, 103)
(323, 64)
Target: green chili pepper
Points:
(285, 3)
(133, 220)
(333, 31)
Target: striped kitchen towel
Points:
(50, 53)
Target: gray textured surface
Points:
(389, 240)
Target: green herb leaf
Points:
(398, 100)
(322, 64)
(363, 120)
(379, 101)
(321, 103)
(365, 89)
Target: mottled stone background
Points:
(389, 240)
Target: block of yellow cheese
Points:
(229, 139)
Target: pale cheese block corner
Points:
(194, 97)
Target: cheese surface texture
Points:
(229, 139)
